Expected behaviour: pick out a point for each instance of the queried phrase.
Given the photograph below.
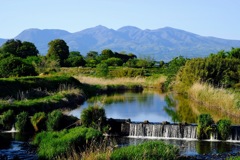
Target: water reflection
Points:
(136, 106)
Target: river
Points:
(147, 105)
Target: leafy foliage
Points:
(19, 49)
(7, 119)
(220, 70)
(204, 127)
(102, 70)
(58, 50)
(128, 72)
(224, 128)
(113, 61)
(94, 117)
(23, 122)
(54, 120)
(15, 67)
(153, 150)
(38, 121)
(106, 53)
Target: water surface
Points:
(149, 106)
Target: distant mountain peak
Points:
(162, 44)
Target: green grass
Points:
(157, 150)
(53, 144)
(10, 87)
(60, 99)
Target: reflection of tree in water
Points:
(170, 108)
(184, 110)
(129, 97)
(178, 108)
(203, 147)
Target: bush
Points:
(7, 119)
(94, 117)
(39, 121)
(54, 120)
(23, 122)
(15, 67)
(204, 127)
(147, 151)
(102, 70)
(75, 61)
(114, 61)
(128, 72)
(52, 144)
(224, 128)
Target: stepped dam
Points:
(164, 130)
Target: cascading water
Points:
(175, 131)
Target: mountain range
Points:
(160, 44)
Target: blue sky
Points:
(219, 18)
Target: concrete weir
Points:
(165, 130)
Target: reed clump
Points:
(220, 99)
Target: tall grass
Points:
(100, 150)
(152, 150)
(154, 81)
(219, 99)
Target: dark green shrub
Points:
(15, 67)
(52, 144)
(224, 128)
(205, 126)
(38, 121)
(94, 117)
(23, 122)
(75, 61)
(7, 119)
(102, 70)
(114, 61)
(147, 151)
(54, 120)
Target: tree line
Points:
(23, 59)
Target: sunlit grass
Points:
(51, 98)
(218, 99)
(145, 82)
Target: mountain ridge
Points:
(160, 44)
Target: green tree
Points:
(91, 55)
(106, 53)
(11, 46)
(19, 49)
(75, 59)
(15, 67)
(74, 54)
(58, 50)
(27, 49)
(114, 61)
(234, 53)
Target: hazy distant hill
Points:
(2, 41)
(164, 43)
